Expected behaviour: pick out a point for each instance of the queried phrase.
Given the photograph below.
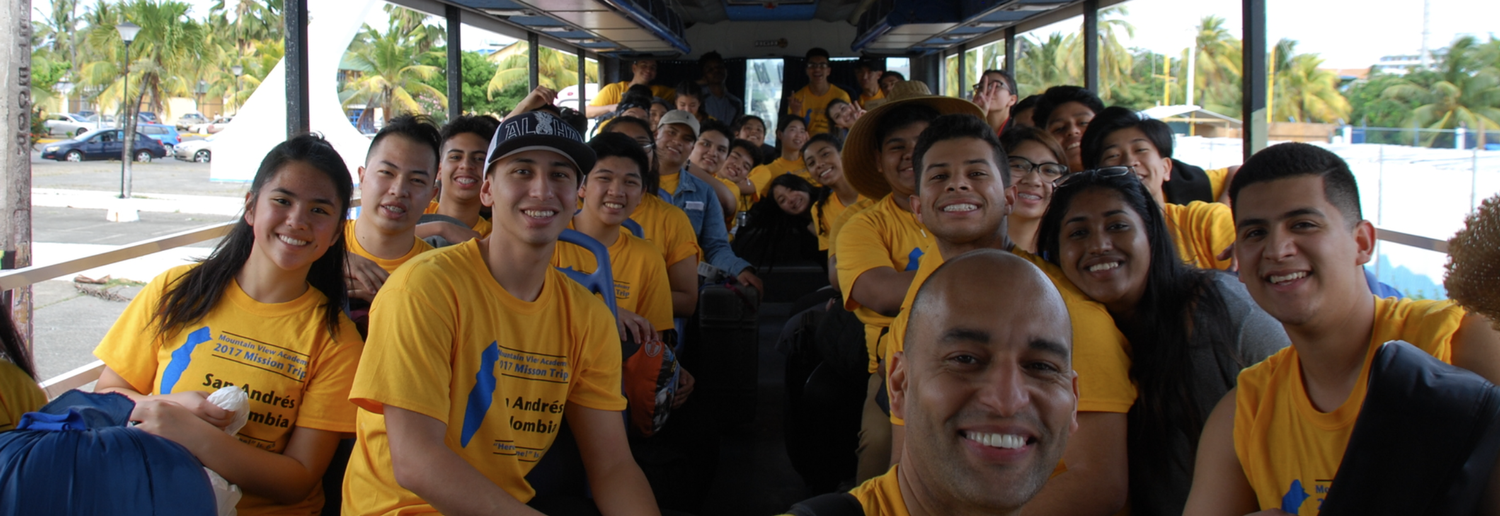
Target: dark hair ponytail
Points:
(192, 296)
(13, 347)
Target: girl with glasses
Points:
(1036, 162)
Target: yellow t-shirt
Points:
(1100, 352)
(1216, 181)
(865, 99)
(611, 93)
(745, 201)
(1201, 231)
(483, 226)
(1284, 443)
(669, 183)
(816, 105)
(297, 375)
(453, 345)
(881, 496)
(881, 236)
(843, 219)
(419, 247)
(432, 207)
(668, 227)
(762, 175)
(823, 217)
(19, 394)
(640, 275)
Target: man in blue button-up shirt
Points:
(674, 143)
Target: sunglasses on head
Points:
(1098, 173)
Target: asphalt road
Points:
(165, 175)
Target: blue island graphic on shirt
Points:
(914, 259)
(496, 361)
(1292, 501)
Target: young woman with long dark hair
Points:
(264, 314)
(1191, 330)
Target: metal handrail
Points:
(17, 278)
(1420, 242)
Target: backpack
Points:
(831, 504)
(841, 343)
(650, 375)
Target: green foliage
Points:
(1463, 89)
(476, 80)
(389, 78)
(1371, 108)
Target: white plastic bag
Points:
(232, 399)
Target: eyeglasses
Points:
(817, 65)
(1020, 167)
(1098, 173)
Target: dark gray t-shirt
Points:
(1255, 336)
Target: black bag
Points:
(1425, 440)
(728, 364)
(841, 343)
(1189, 183)
(771, 237)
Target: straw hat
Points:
(860, 147)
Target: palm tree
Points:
(556, 69)
(254, 20)
(390, 76)
(162, 55)
(1464, 88)
(1305, 93)
(1043, 64)
(60, 31)
(1216, 81)
(414, 25)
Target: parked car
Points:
(198, 151)
(69, 125)
(148, 117)
(189, 120)
(163, 133)
(103, 144)
(210, 128)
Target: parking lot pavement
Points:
(68, 324)
(87, 226)
(166, 175)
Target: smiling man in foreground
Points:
(987, 389)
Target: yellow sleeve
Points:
(408, 355)
(1216, 181)
(680, 235)
(19, 394)
(839, 93)
(821, 225)
(656, 292)
(843, 219)
(597, 376)
(666, 93)
(1215, 224)
(860, 249)
(131, 346)
(325, 402)
(1100, 357)
(761, 177)
(610, 94)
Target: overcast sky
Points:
(1346, 34)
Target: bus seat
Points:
(634, 227)
(601, 281)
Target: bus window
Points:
(763, 92)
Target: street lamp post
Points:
(127, 33)
(238, 71)
(200, 90)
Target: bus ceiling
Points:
(758, 28)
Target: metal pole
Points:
(126, 122)
(15, 120)
(583, 80)
(963, 70)
(1010, 51)
(1379, 206)
(1091, 45)
(298, 119)
(533, 56)
(1253, 82)
(455, 64)
(1474, 171)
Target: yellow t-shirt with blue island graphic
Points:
(814, 107)
(639, 272)
(281, 355)
(882, 235)
(1290, 450)
(448, 342)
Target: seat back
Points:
(602, 280)
(1425, 440)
